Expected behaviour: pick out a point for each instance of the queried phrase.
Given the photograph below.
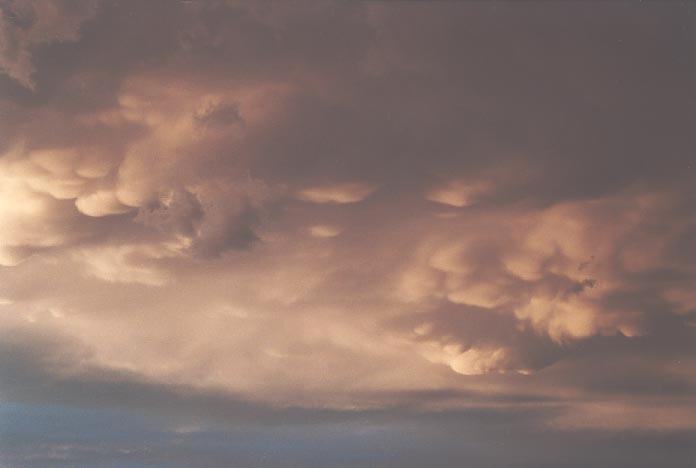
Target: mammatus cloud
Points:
(323, 230)
(100, 203)
(458, 194)
(224, 223)
(338, 193)
(557, 272)
(473, 361)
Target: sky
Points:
(298, 234)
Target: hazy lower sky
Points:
(347, 234)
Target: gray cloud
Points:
(26, 25)
(414, 220)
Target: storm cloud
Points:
(246, 230)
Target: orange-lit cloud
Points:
(220, 207)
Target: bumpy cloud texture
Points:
(371, 209)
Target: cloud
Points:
(128, 263)
(458, 194)
(32, 212)
(219, 114)
(26, 25)
(218, 218)
(338, 193)
(473, 361)
(550, 269)
(322, 230)
(100, 203)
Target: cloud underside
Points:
(233, 207)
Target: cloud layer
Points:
(347, 210)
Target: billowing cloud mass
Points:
(374, 228)
(27, 24)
